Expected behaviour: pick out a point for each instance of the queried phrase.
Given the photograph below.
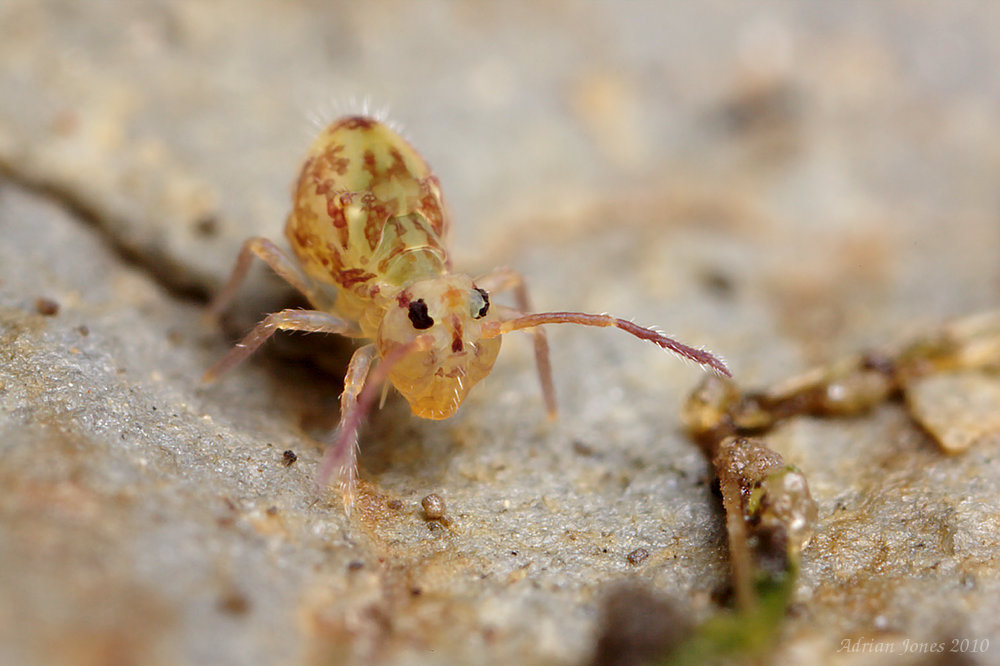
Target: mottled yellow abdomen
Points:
(367, 209)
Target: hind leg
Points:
(506, 279)
(279, 262)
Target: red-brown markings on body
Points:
(433, 213)
(369, 165)
(376, 214)
(335, 212)
(356, 122)
(352, 276)
(304, 173)
(431, 205)
(374, 223)
(331, 161)
(303, 238)
(332, 260)
(398, 167)
(456, 337)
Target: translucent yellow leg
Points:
(310, 321)
(279, 262)
(343, 451)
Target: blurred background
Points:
(781, 182)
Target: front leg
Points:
(343, 452)
(504, 279)
(310, 321)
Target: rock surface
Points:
(781, 183)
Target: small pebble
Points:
(637, 556)
(433, 505)
(46, 306)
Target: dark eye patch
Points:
(486, 303)
(419, 316)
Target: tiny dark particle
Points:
(718, 283)
(83, 330)
(272, 511)
(46, 306)
(289, 457)
(637, 556)
(355, 565)
(207, 226)
(234, 603)
(878, 362)
(394, 504)
(433, 505)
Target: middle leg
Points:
(310, 321)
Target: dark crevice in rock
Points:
(164, 270)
